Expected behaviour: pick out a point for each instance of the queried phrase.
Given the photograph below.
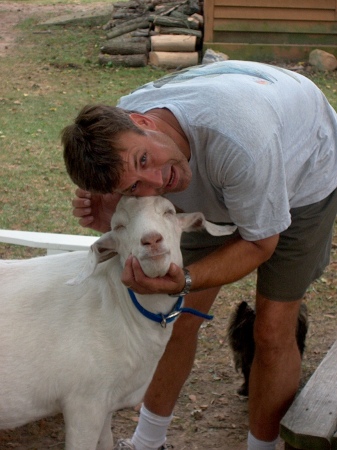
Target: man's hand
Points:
(134, 278)
(94, 210)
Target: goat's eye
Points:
(169, 212)
(119, 227)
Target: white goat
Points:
(84, 349)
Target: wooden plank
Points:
(275, 26)
(275, 38)
(273, 13)
(311, 421)
(306, 4)
(209, 20)
(51, 241)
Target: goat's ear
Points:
(103, 249)
(197, 222)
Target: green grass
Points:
(44, 83)
(45, 80)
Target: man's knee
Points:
(275, 327)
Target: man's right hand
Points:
(94, 210)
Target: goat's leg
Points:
(105, 441)
(84, 425)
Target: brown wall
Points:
(270, 26)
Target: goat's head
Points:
(149, 229)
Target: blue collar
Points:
(163, 319)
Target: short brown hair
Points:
(91, 149)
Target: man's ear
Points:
(142, 121)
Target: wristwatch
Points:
(188, 284)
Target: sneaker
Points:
(126, 444)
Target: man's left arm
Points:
(227, 264)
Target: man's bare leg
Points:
(276, 369)
(177, 362)
(171, 374)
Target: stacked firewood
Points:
(166, 34)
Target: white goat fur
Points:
(83, 349)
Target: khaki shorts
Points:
(301, 255)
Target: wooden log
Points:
(126, 27)
(122, 15)
(172, 22)
(175, 30)
(132, 46)
(172, 60)
(173, 43)
(144, 32)
(123, 60)
(199, 18)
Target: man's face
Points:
(154, 165)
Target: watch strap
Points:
(188, 284)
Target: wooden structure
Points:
(268, 30)
(311, 421)
(52, 242)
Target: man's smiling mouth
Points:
(172, 178)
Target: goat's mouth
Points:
(155, 264)
(155, 255)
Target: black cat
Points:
(241, 338)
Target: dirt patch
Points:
(209, 414)
(11, 14)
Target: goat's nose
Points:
(151, 238)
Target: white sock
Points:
(256, 444)
(150, 433)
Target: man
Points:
(245, 143)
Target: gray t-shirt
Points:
(262, 139)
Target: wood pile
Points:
(163, 33)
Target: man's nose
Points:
(153, 178)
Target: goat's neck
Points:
(157, 303)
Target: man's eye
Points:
(143, 160)
(133, 187)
